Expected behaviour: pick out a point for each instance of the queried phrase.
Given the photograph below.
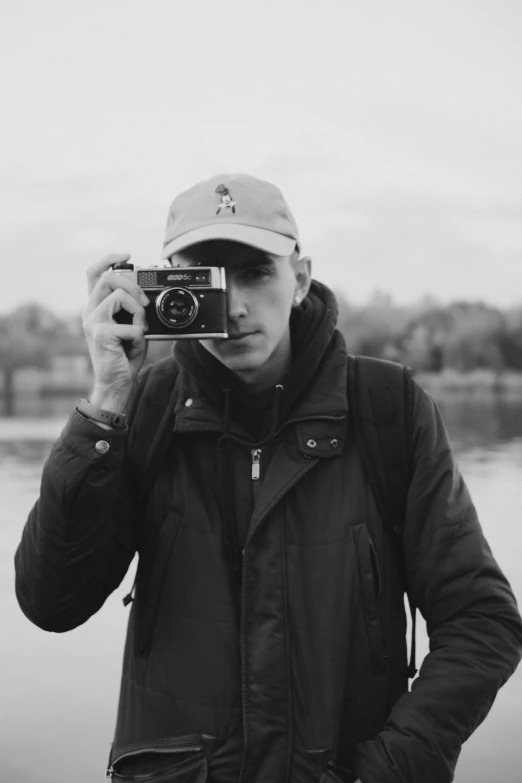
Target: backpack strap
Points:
(151, 414)
(380, 395)
(151, 422)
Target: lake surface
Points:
(59, 692)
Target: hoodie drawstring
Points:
(279, 389)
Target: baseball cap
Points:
(237, 207)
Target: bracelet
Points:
(117, 421)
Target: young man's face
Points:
(260, 294)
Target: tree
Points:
(28, 338)
(424, 338)
(475, 337)
(374, 329)
(511, 340)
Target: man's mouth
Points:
(239, 335)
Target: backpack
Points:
(380, 401)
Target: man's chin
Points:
(237, 361)
(241, 364)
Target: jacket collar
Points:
(319, 418)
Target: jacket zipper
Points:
(375, 560)
(256, 453)
(256, 471)
(110, 771)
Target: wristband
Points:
(117, 421)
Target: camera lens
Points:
(176, 307)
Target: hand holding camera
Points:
(117, 350)
(182, 302)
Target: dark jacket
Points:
(297, 674)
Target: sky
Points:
(393, 129)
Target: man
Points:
(266, 640)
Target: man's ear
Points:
(303, 276)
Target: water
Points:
(59, 692)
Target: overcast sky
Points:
(394, 130)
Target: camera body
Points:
(185, 302)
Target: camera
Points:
(185, 302)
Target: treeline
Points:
(428, 336)
(31, 335)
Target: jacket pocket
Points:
(321, 762)
(181, 759)
(309, 764)
(370, 582)
(329, 776)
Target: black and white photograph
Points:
(261, 391)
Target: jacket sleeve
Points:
(473, 623)
(82, 533)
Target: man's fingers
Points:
(111, 281)
(118, 299)
(95, 271)
(129, 332)
(110, 335)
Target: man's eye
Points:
(254, 274)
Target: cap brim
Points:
(269, 241)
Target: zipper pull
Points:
(108, 773)
(256, 467)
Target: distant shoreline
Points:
(475, 381)
(447, 381)
(31, 428)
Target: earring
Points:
(297, 299)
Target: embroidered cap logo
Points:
(226, 200)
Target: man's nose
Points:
(236, 305)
